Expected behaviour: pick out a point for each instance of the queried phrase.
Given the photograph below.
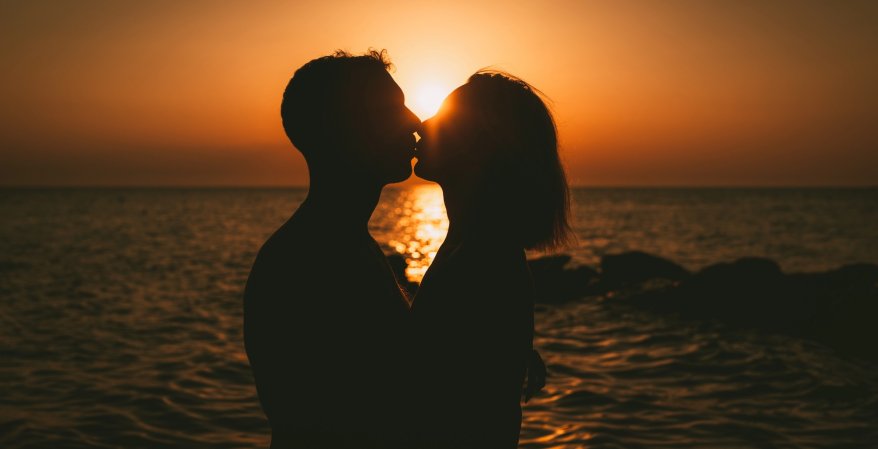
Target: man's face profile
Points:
(382, 128)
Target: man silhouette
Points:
(324, 316)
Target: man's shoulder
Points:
(287, 260)
(292, 242)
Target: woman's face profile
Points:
(448, 139)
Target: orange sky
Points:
(646, 93)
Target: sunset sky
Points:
(646, 93)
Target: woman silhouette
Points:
(493, 149)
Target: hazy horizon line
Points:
(411, 185)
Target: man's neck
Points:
(342, 204)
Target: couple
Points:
(339, 357)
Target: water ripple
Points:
(120, 326)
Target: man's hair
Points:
(318, 95)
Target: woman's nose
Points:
(426, 124)
(425, 127)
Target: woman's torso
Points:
(473, 319)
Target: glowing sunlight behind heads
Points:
(426, 99)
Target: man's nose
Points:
(412, 119)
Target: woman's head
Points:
(495, 138)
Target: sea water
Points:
(120, 319)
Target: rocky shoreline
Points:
(838, 308)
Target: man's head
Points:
(347, 116)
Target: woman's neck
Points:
(459, 209)
(473, 217)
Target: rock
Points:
(838, 307)
(748, 269)
(846, 309)
(548, 264)
(747, 292)
(555, 283)
(633, 268)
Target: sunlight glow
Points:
(422, 226)
(426, 100)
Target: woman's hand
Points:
(536, 375)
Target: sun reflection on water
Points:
(420, 228)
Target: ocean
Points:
(120, 319)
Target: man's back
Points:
(324, 330)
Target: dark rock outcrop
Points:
(555, 282)
(837, 307)
(633, 268)
(749, 292)
(846, 308)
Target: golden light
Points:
(421, 228)
(427, 98)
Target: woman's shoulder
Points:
(493, 263)
(501, 255)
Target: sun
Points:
(426, 100)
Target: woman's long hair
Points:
(523, 171)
